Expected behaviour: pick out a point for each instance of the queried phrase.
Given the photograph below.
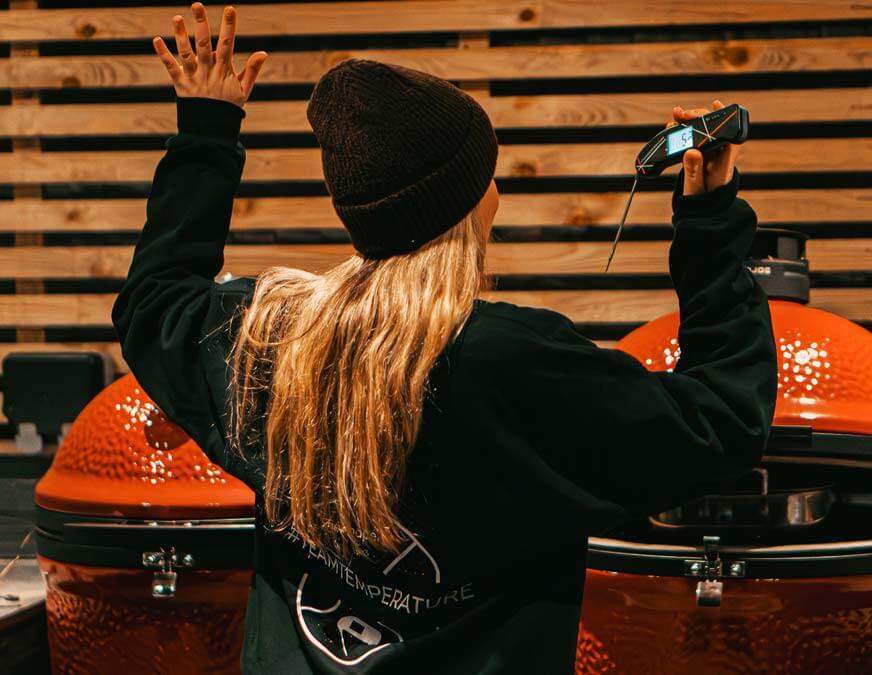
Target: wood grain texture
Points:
(495, 63)
(585, 110)
(629, 306)
(514, 161)
(633, 306)
(547, 258)
(605, 208)
(56, 310)
(417, 15)
(587, 209)
(473, 64)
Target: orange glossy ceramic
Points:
(123, 458)
(104, 621)
(825, 365)
(642, 623)
(645, 624)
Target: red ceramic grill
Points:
(144, 544)
(773, 573)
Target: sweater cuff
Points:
(704, 203)
(208, 116)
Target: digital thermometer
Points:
(712, 130)
(727, 125)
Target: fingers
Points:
(172, 66)
(694, 179)
(183, 45)
(719, 166)
(202, 34)
(690, 114)
(250, 72)
(226, 37)
(680, 115)
(711, 171)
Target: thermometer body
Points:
(727, 125)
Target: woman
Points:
(427, 466)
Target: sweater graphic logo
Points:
(365, 613)
(414, 543)
(325, 627)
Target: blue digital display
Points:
(679, 140)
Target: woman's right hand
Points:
(705, 172)
(208, 73)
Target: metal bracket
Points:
(163, 584)
(710, 590)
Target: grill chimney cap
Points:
(777, 260)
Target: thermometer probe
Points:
(712, 130)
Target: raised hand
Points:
(705, 172)
(209, 74)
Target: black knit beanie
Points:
(405, 154)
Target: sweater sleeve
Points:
(169, 303)
(607, 430)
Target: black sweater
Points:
(533, 439)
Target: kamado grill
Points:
(773, 573)
(144, 544)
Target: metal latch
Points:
(710, 590)
(163, 584)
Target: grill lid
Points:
(824, 365)
(123, 458)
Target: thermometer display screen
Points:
(679, 140)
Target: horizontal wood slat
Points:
(586, 110)
(494, 63)
(640, 305)
(94, 309)
(636, 257)
(545, 209)
(416, 15)
(602, 306)
(556, 159)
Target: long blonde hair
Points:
(339, 364)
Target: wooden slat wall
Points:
(412, 16)
(492, 63)
(574, 88)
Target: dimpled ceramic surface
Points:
(824, 368)
(122, 457)
(644, 624)
(103, 621)
(641, 623)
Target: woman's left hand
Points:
(209, 74)
(705, 171)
